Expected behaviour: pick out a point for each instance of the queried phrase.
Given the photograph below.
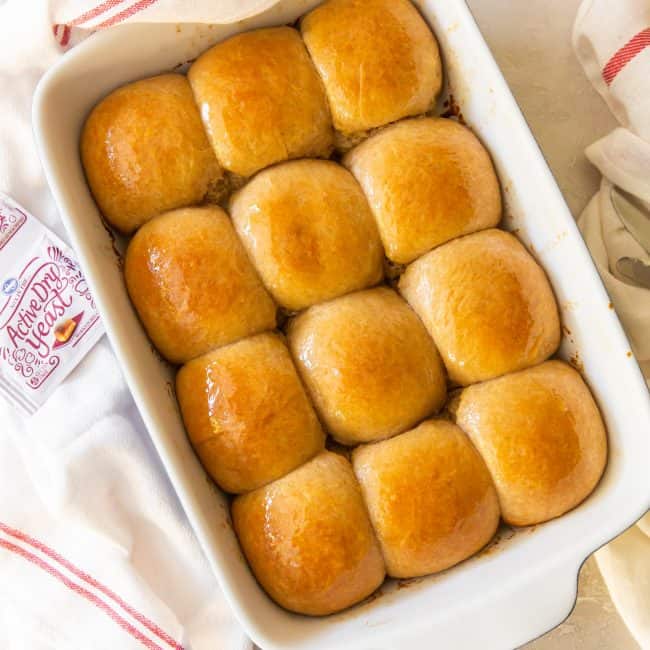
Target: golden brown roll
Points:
(192, 284)
(308, 229)
(247, 414)
(308, 539)
(145, 151)
(261, 100)
(378, 60)
(368, 363)
(541, 436)
(431, 500)
(487, 304)
(427, 181)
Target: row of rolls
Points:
(415, 334)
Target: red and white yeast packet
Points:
(48, 318)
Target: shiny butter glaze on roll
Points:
(261, 100)
(247, 414)
(192, 284)
(427, 181)
(145, 151)
(541, 436)
(368, 363)
(308, 229)
(487, 304)
(378, 60)
(430, 497)
(308, 539)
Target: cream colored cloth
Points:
(612, 41)
(624, 161)
(625, 565)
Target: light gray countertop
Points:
(594, 624)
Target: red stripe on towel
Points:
(623, 56)
(51, 553)
(126, 13)
(93, 13)
(73, 586)
(65, 36)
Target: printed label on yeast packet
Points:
(48, 318)
(12, 218)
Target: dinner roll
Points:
(261, 100)
(144, 151)
(368, 363)
(541, 436)
(192, 284)
(427, 181)
(308, 539)
(308, 229)
(431, 500)
(378, 60)
(487, 304)
(247, 414)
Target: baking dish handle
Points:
(540, 604)
(504, 619)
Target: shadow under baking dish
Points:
(523, 584)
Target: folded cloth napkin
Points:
(95, 551)
(612, 41)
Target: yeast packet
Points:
(48, 318)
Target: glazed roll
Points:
(368, 363)
(427, 181)
(308, 539)
(378, 60)
(247, 414)
(431, 500)
(192, 284)
(261, 100)
(542, 438)
(308, 229)
(487, 304)
(144, 151)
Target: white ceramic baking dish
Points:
(525, 584)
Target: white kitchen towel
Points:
(95, 552)
(73, 20)
(612, 41)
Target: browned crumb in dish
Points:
(221, 189)
(343, 142)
